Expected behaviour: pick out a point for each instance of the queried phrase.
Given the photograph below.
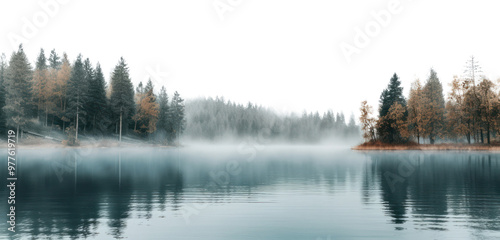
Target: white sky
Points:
(283, 54)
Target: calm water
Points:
(254, 193)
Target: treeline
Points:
(75, 98)
(217, 118)
(470, 114)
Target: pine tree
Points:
(3, 118)
(391, 95)
(122, 95)
(18, 86)
(98, 101)
(89, 104)
(40, 78)
(177, 121)
(77, 94)
(163, 119)
(54, 60)
(434, 110)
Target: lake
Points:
(254, 192)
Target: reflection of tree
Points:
(442, 185)
(395, 198)
(118, 212)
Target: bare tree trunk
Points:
(488, 133)
(482, 137)
(17, 134)
(76, 135)
(120, 126)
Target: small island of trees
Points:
(469, 115)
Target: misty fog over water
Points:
(251, 191)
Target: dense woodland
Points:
(74, 99)
(220, 119)
(471, 112)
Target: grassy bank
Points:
(36, 143)
(378, 146)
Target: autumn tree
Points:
(457, 124)
(367, 122)
(434, 111)
(488, 108)
(416, 106)
(147, 111)
(397, 117)
(43, 88)
(60, 90)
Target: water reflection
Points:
(87, 194)
(457, 188)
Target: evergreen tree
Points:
(18, 103)
(77, 95)
(122, 96)
(391, 95)
(3, 118)
(177, 121)
(163, 119)
(434, 111)
(54, 60)
(98, 101)
(40, 77)
(89, 104)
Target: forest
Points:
(214, 119)
(71, 100)
(74, 99)
(470, 113)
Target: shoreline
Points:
(83, 145)
(428, 147)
